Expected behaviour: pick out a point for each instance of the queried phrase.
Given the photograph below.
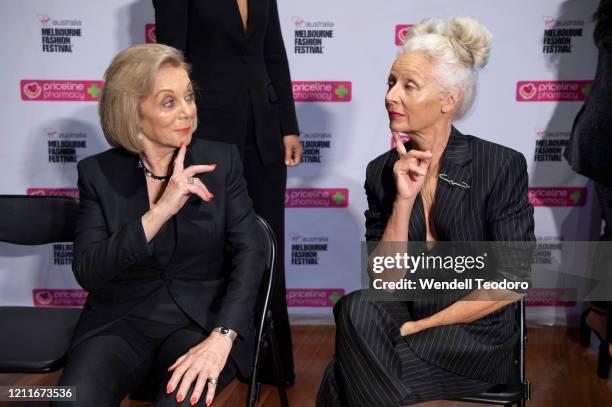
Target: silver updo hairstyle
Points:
(459, 48)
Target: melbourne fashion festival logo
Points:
(550, 145)
(65, 146)
(60, 90)
(316, 197)
(322, 91)
(558, 196)
(552, 91)
(559, 35)
(71, 192)
(59, 297)
(401, 32)
(310, 37)
(313, 297)
(314, 146)
(150, 37)
(57, 35)
(305, 250)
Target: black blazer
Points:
(113, 261)
(589, 151)
(233, 69)
(495, 208)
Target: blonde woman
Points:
(159, 214)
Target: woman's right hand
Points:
(178, 189)
(410, 169)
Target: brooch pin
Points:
(461, 184)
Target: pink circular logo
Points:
(151, 34)
(298, 21)
(527, 90)
(403, 33)
(32, 90)
(44, 297)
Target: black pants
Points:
(110, 365)
(266, 186)
(604, 195)
(374, 366)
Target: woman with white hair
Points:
(439, 186)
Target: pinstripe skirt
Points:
(375, 366)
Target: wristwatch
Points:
(227, 332)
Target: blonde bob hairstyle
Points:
(129, 80)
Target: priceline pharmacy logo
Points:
(557, 196)
(322, 91)
(552, 91)
(316, 197)
(60, 90)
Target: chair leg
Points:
(254, 387)
(603, 360)
(585, 331)
(252, 394)
(280, 377)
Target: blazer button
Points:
(245, 59)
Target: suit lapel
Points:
(134, 179)
(182, 221)
(237, 17)
(251, 6)
(454, 182)
(416, 225)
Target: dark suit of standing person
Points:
(160, 216)
(439, 186)
(244, 92)
(589, 152)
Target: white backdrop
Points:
(340, 51)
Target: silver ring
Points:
(213, 380)
(190, 180)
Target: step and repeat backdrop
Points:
(542, 62)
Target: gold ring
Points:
(213, 380)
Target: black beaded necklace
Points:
(149, 173)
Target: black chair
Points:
(35, 340)
(266, 335)
(518, 391)
(603, 355)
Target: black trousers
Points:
(604, 195)
(374, 366)
(110, 365)
(266, 186)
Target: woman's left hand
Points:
(411, 327)
(293, 150)
(202, 362)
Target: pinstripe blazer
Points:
(494, 208)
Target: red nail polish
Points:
(208, 403)
(212, 196)
(193, 400)
(169, 389)
(180, 398)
